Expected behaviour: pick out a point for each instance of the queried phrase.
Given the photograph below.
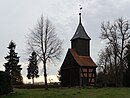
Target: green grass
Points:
(71, 93)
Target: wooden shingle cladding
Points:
(70, 71)
(82, 46)
(77, 70)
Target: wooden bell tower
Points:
(81, 41)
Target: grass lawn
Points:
(71, 93)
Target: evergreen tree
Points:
(12, 66)
(32, 68)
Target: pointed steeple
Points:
(80, 18)
(80, 31)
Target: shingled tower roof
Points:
(80, 31)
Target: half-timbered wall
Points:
(88, 76)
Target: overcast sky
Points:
(18, 16)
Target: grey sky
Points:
(17, 16)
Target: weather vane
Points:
(80, 8)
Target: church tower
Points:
(81, 41)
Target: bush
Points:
(5, 83)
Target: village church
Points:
(78, 68)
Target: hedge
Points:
(5, 83)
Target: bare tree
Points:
(126, 79)
(105, 64)
(117, 35)
(44, 41)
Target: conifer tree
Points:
(32, 68)
(12, 66)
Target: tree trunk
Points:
(116, 70)
(45, 75)
(121, 74)
(33, 81)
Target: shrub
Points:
(5, 83)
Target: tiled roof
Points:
(82, 60)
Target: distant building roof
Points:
(82, 60)
(80, 31)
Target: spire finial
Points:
(80, 14)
